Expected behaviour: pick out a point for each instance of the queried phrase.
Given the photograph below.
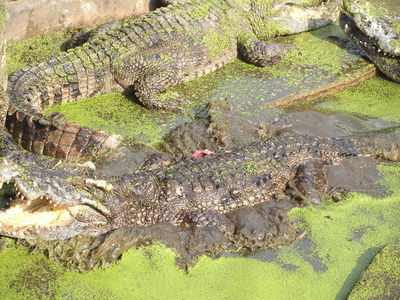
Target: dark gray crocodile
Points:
(148, 55)
(58, 202)
(376, 32)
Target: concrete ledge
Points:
(29, 18)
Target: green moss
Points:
(35, 49)
(28, 276)
(381, 278)
(396, 27)
(117, 113)
(216, 42)
(344, 238)
(375, 98)
(3, 67)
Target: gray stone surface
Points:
(31, 17)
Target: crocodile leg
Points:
(311, 181)
(149, 76)
(210, 218)
(258, 52)
(203, 218)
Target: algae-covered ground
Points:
(319, 57)
(341, 238)
(381, 280)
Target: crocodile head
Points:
(59, 202)
(376, 32)
(43, 205)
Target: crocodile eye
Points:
(143, 188)
(140, 183)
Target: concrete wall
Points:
(31, 17)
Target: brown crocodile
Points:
(148, 55)
(58, 202)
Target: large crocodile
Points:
(376, 32)
(58, 202)
(148, 55)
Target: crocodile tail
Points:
(54, 137)
(76, 74)
(67, 77)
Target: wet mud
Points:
(257, 227)
(262, 226)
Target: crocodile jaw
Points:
(29, 218)
(34, 213)
(389, 64)
(375, 22)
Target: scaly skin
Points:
(376, 32)
(57, 202)
(148, 55)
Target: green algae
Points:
(3, 67)
(117, 113)
(382, 277)
(316, 57)
(150, 272)
(374, 98)
(345, 236)
(28, 276)
(35, 49)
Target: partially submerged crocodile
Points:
(148, 55)
(376, 32)
(58, 202)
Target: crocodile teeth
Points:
(29, 202)
(379, 50)
(346, 26)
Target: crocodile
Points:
(56, 201)
(376, 32)
(148, 55)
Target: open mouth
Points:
(22, 215)
(25, 217)
(368, 44)
(357, 36)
